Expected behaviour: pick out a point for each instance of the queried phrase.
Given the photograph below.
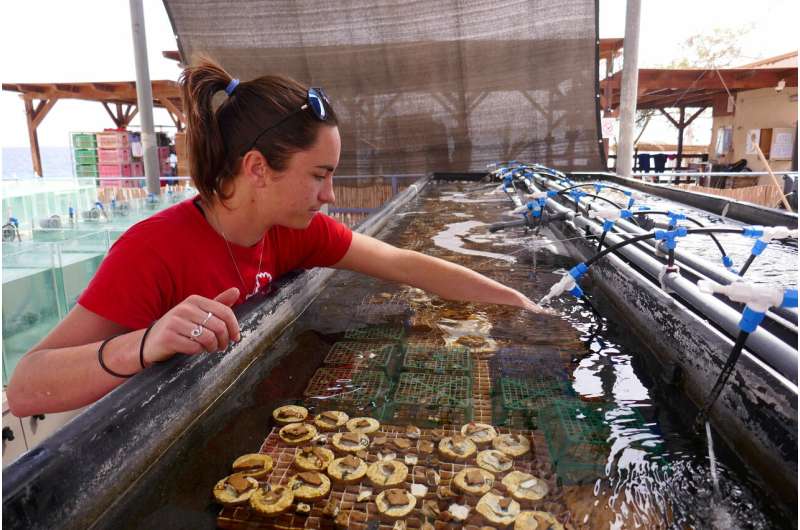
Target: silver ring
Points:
(208, 317)
(196, 332)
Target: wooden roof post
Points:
(34, 117)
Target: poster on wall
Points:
(724, 141)
(782, 144)
(753, 137)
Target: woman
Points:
(263, 165)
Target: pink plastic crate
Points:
(115, 170)
(163, 153)
(137, 169)
(114, 156)
(113, 140)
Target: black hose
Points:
(747, 264)
(690, 219)
(651, 235)
(508, 224)
(600, 242)
(726, 372)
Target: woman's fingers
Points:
(222, 312)
(214, 324)
(201, 334)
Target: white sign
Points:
(753, 137)
(782, 144)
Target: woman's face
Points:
(307, 183)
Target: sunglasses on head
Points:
(316, 100)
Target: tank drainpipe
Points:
(629, 89)
(144, 97)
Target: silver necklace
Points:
(230, 252)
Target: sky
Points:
(90, 40)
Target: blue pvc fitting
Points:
(552, 193)
(625, 214)
(14, 221)
(670, 236)
(578, 270)
(789, 298)
(727, 261)
(674, 217)
(759, 247)
(576, 291)
(630, 202)
(753, 231)
(598, 188)
(99, 205)
(608, 225)
(750, 320)
(643, 208)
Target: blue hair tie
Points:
(231, 87)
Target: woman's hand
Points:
(532, 306)
(172, 333)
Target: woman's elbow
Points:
(18, 403)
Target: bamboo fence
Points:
(764, 195)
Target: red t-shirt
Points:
(165, 258)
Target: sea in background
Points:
(56, 162)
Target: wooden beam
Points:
(177, 116)
(693, 116)
(33, 138)
(111, 114)
(41, 110)
(670, 118)
(735, 78)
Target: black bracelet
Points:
(141, 344)
(103, 365)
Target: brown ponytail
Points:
(217, 137)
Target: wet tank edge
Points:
(738, 210)
(757, 419)
(72, 478)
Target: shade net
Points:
(422, 86)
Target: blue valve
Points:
(99, 206)
(631, 200)
(674, 217)
(789, 298)
(598, 188)
(607, 225)
(727, 261)
(578, 270)
(753, 231)
(576, 195)
(670, 236)
(750, 320)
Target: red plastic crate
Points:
(163, 154)
(113, 140)
(114, 170)
(114, 156)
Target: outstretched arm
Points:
(448, 280)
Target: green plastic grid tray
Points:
(346, 388)
(437, 358)
(430, 400)
(362, 354)
(529, 392)
(381, 332)
(517, 401)
(577, 440)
